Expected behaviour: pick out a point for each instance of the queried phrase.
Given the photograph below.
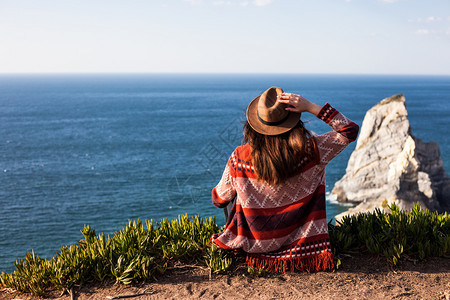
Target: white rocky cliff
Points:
(390, 165)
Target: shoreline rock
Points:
(391, 165)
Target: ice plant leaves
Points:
(417, 233)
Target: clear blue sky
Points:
(225, 36)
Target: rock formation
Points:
(390, 165)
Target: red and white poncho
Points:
(277, 224)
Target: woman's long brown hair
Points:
(278, 157)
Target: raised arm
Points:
(331, 143)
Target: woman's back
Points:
(282, 222)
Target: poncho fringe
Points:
(320, 262)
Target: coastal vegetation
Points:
(141, 252)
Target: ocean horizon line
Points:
(222, 73)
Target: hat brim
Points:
(258, 126)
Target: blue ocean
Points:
(101, 149)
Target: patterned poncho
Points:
(285, 224)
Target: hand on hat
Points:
(298, 104)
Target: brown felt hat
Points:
(268, 116)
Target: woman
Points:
(278, 178)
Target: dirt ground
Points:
(362, 277)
